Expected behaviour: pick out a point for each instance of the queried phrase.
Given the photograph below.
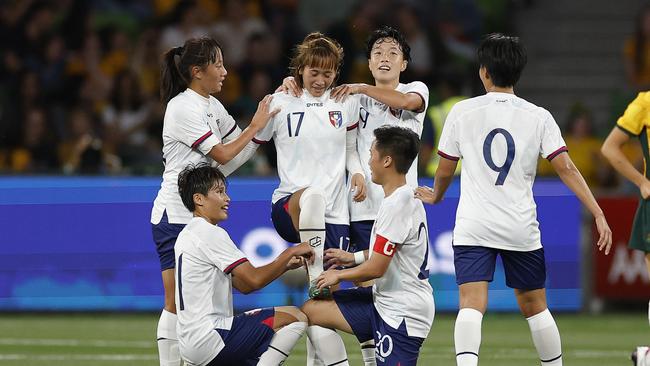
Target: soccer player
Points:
(196, 128)
(397, 312)
(499, 137)
(634, 122)
(208, 266)
(388, 102)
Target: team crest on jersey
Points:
(336, 118)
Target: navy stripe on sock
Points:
(311, 229)
(466, 353)
(552, 359)
(368, 346)
(338, 363)
(285, 355)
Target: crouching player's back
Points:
(397, 312)
(209, 265)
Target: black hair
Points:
(388, 32)
(199, 178)
(503, 57)
(176, 77)
(401, 144)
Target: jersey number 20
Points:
(487, 154)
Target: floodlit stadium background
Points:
(75, 232)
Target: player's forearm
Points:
(441, 183)
(227, 151)
(266, 274)
(619, 161)
(571, 176)
(394, 98)
(352, 159)
(247, 152)
(361, 273)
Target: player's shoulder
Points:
(183, 103)
(533, 109)
(282, 98)
(402, 197)
(642, 100)
(205, 230)
(413, 86)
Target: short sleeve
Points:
(449, 146)
(222, 252)
(393, 222)
(190, 128)
(635, 116)
(353, 112)
(552, 142)
(227, 125)
(422, 90)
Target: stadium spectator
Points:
(634, 123)
(197, 128)
(397, 311)
(209, 266)
(496, 213)
(37, 151)
(83, 152)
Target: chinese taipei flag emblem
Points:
(336, 119)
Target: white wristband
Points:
(359, 257)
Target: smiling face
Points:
(386, 60)
(317, 79)
(211, 77)
(213, 206)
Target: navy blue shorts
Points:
(360, 235)
(337, 236)
(249, 337)
(523, 270)
(164, 235)
(392, 346)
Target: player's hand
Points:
(295, 262)
(328, 278)
(342, 91)
(337, 258)
(305, 251)
(426, 195)
(289, 86)
(263, 115)
(645, 189)
(604, 234)
(358, 187)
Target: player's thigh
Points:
(283, 222)
(474, 267)
(395, 346)
(169, 282)
(248, 337)
(285, 315)
(360, 235)
(531, 302)
(293, 207)
(326, 313)
(473, 295)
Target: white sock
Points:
(168, 340)
(368, 353)
(312, 357)
(467, 336)
(282, 344)
(329, 345)
(311, 226)
(546, 338)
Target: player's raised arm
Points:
(571, 176)
(410, 101)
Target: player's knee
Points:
(312, 195)
(309, 309)
(296, 313)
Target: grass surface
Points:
(128, 339)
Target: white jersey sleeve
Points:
(422, 90)
(192, 130)
(552, 141)
(225, 256)
(394, 223)
(449, 146)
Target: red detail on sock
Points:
(268, 322)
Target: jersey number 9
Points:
(487, 154)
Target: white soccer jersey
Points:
(403, 293)
(205, 256)
(375, 114)
(193, 125)
(310, 139)
(499, 136)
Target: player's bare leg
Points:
(543, 329)
(166, 333)
(325, 316)
(289, 324)
(307, 210)
(467, 330)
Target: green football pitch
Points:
(128, 339)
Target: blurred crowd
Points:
(79, 90)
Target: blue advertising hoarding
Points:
(85, 244)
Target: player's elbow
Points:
(607, 151)
(375, 272)
(221, 155)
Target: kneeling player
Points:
(397, 312)
(208, 266)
